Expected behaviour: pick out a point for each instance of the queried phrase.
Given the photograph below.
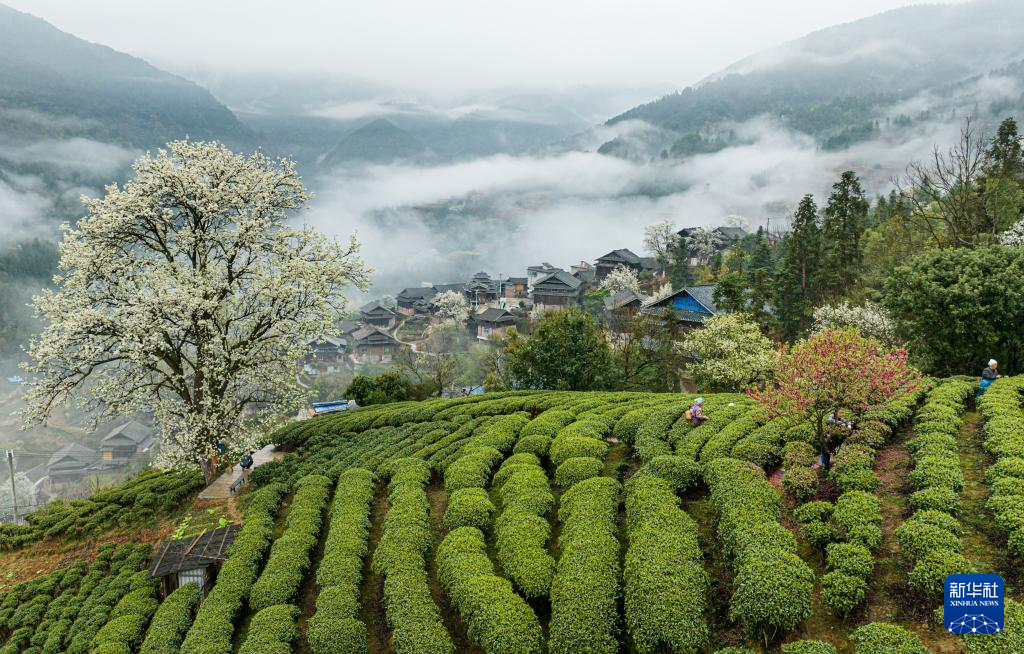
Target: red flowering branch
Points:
(836, 371)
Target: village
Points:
(487, 307)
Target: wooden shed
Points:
(195, 559)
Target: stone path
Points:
(220, 489)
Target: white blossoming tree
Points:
(728, 353)
(703, 243)
(663, 292)
(871, 320)
(452, 305)
(621, 278)
(188, 290)
(1014, 236)
(660, 239)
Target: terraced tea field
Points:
(576, 523)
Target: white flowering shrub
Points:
(452, 305)
(728, 353)
(621, 279)
(187, 289)
(870, 320)
(1013, 237)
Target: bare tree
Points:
(944, 191)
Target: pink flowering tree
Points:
(834, 371)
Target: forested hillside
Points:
(847, 83)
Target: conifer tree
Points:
(842, 229)
(796, 283)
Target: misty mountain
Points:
(844, 84)
(56, 86)
(379, 141)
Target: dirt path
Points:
(371, 591)
(456, 627)
(982, 543)
(310, 589)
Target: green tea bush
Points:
(850, 558)
(577, 469)
(884, 638)
(809, 647)
(335, 627)
(214, 625)
(665, 581)
(584, 609)
(472, 470)
(568, 447)
(773, 587)
(290, 555)
(497, 619)
(798, 453)
(842, 592)
(272, 630)
(801, 482)
(930, 571)
(917, 539)
(721, 443)
(536, 444)
(171, 621)
(400, 557)
(680, 472)
(811, 511)
(1004, 439)
(522, 531)
(469, 507)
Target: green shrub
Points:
(817, 533)
(842, 592)
(851, 559)
(584, 608)
(334, 629)
(812, 511)
(576, 469)
(808, 647)
(680, 472)
(272, 631)
(857, 508)
(799, 453)
(665, 581)
(498, 620)
(527, 458)
(290, 555)
(800, 482)
(883, 638)
(472, 470)
(773, 594)
(917, 539)
(469, 507)
(171, 621)
(931, 570)
(537, 445)
(565, 448)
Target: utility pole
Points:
(14, 488)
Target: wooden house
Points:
(416, 299)
(557, 290)
(378, 315)
(492, 323)
(516, 288)
(192, 560)
(623, 302)
(625, 258)
(533, 273)
(70, 463)
(132, 440)
(691, 305)
(372, 344)
(326, 355)
(482, 290)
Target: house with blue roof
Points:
(691, 305)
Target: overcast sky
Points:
(453, 46)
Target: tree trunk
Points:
(209, 472)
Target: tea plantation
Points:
(570, 523)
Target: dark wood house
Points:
(129, 441)
(372, 344)
(70, 463)
(691, 305)
(192, 560)
(625, 258)
(623, 302)
(557, 290)
(378, 315)
(482, 290)
(492, 323)
(415, 300)
(516, 287)
(326, 355)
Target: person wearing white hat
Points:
(989, 375)
(697, 412)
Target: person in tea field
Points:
(989, 375)
(696, 412)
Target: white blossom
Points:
(870, 320)
(1014, 236)
(621, 279)
(452, 305)
(663, 292)
(703, 243)
(188, 290)
(660, 239)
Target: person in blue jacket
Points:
(989, 375)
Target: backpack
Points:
(246, 461)
(689, 414)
